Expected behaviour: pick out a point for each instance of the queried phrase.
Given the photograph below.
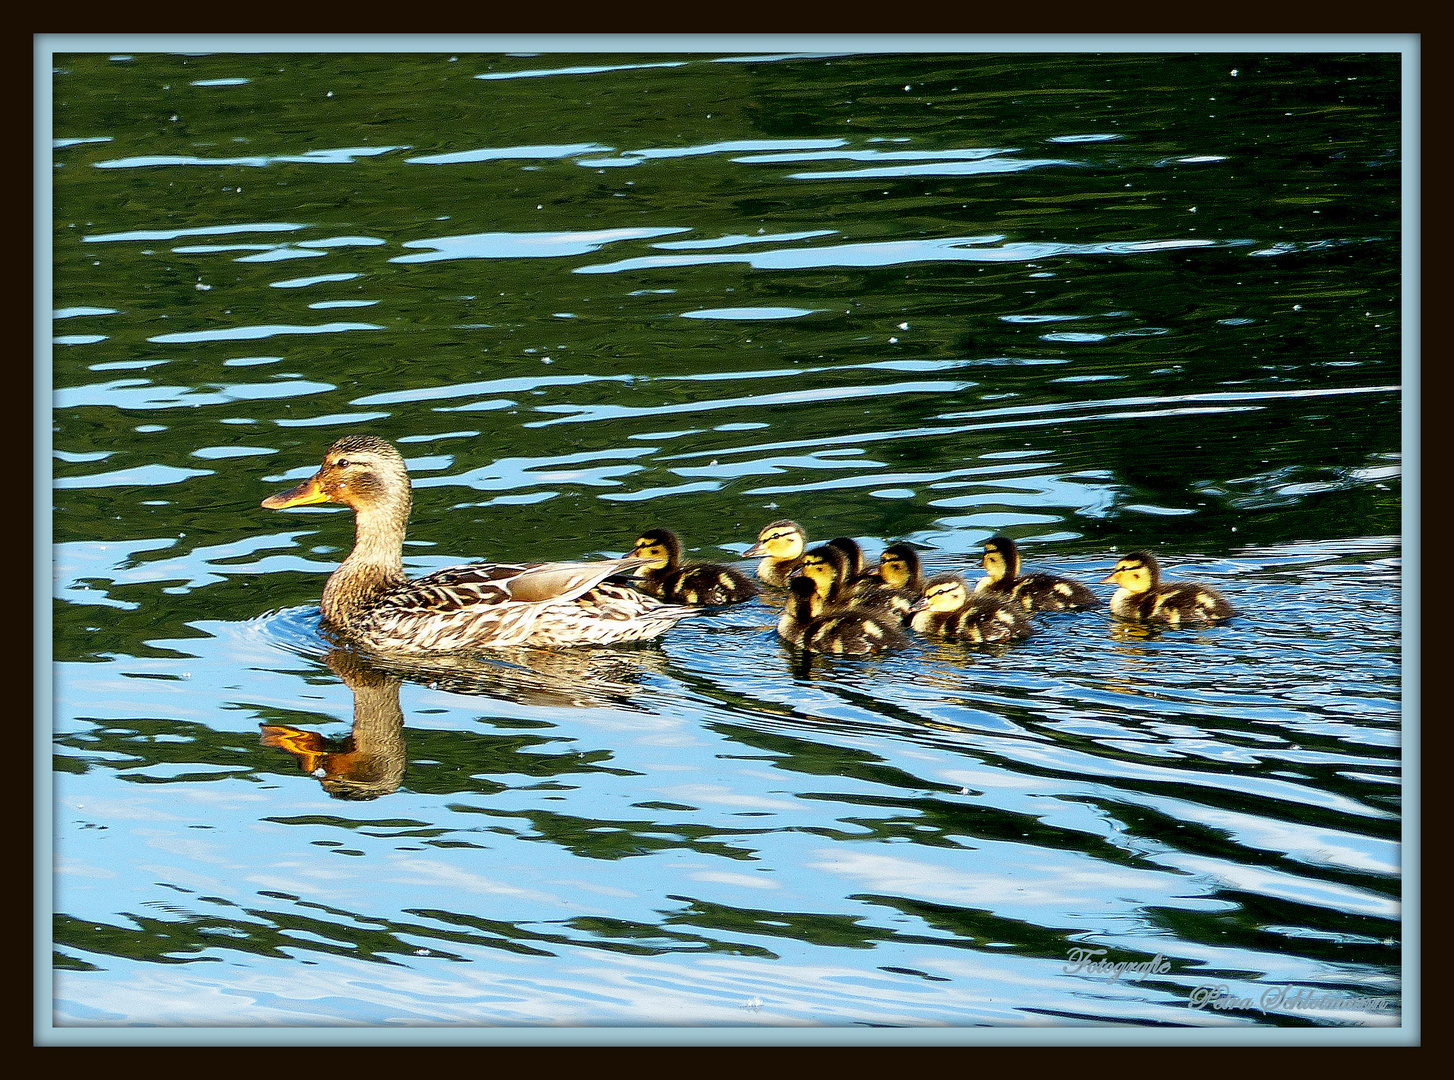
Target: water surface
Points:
(1094, 302)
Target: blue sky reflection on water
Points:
(920, 297)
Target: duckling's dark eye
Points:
(344, 463)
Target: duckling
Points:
(950, 610)
(783, 543)
(898, 585)
(1144, 597)
(703, 584)
(827, 567)
(841, 632)
(853, 571)
(1034, 592)
(797, 612)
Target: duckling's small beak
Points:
(919, 604)
(1110, 580)
(307, 493)
(755, 549)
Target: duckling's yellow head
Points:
(947, 592)
(1136, 572)
(1001, 558)
(823, 566)
(660, 546)
(898, 565)
(783, 540)
(360, 471)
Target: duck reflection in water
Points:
(578, 677)
(370, 762)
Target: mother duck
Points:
(371, 603)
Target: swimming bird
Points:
(1034, 592)
(950, 610)
(827, 567)
(372, 604)
(1144, 597)
(837, 632)
(705, 584)
(853, 571)
(782, 543)
(898, 585)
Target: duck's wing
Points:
(452, 589)
(485, 584)
(564, 581)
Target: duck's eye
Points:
(344, 463)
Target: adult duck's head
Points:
(360, 471)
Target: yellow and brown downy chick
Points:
(826, 566)
(1144, 597)
(1033, 592)
(837, 632)
(951, 611)
(853, 572)
(898, 585)
(783, 543)
(703, 584)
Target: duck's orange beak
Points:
(306, 746)
(307, 493)
(1111, 580)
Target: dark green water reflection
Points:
(1094, 302)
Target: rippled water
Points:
(1093, 302)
